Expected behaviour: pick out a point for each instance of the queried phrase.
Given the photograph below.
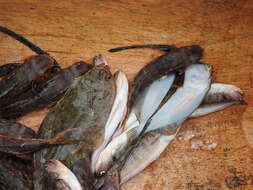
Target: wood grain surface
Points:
(79, 29)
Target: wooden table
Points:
(78, 30)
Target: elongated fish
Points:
(86, 107)
(176, 60)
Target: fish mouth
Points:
(99, 60)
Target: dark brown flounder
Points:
(86, 107)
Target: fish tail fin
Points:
(22, 40)
(159, 46)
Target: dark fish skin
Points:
(162, 47)
(14, 129)
(8, 68)
(18, 81)
(15, 173)
(45, 93)
(17, 139)
(176, 60)
(86, 107)
(82, 170)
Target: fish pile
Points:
(100, 130)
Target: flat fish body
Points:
(86, 107)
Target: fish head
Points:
(99, 60)
(79, 68)
(197, 74)
(110, 181)
(194, 52)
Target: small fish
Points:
(176, 60)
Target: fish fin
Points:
(161, 47)
(205, 109)
(132, 133)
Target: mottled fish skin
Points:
(32, 69)
(176, 60)
(86, 106)
(46, 93)
(8, 68)
(15, 173)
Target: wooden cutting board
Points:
(211, 152)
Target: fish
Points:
(45, 93)
(20, 80)
(180, 106)
(66, 180)
(6, 69)
(155, 142)
(86, 107)
(18, 139)
(220, 96)
(177, 59)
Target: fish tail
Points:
(159, 46)
(22, 40)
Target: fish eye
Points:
(101, 173)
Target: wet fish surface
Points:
(21, 78)
(86, 107)
(46, 93)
